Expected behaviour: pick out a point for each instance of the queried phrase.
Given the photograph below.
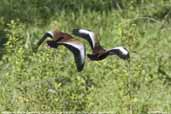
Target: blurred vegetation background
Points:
(48, 80)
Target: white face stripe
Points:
(79, 47)
(91, 34)
(124, 51)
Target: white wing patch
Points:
(79, 47)
(51, 33)
(124, 51)
(91, 34)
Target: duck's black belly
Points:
(97, 57)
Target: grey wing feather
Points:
(78, 51)
(86, 34)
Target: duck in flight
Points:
(98, 52)
(61, 38)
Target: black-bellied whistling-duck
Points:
(61, 38)
(99, 52)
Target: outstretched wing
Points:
(47, 34)
(88, 35)
(119, 51)
(78, 50)
(75, 47)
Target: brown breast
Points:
(99, 50)
(61, 36)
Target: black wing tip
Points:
(80, 66)
(79, 69)
(126, 57)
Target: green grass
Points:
(48, 80)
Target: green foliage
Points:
(33, 10)
(48, 80)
